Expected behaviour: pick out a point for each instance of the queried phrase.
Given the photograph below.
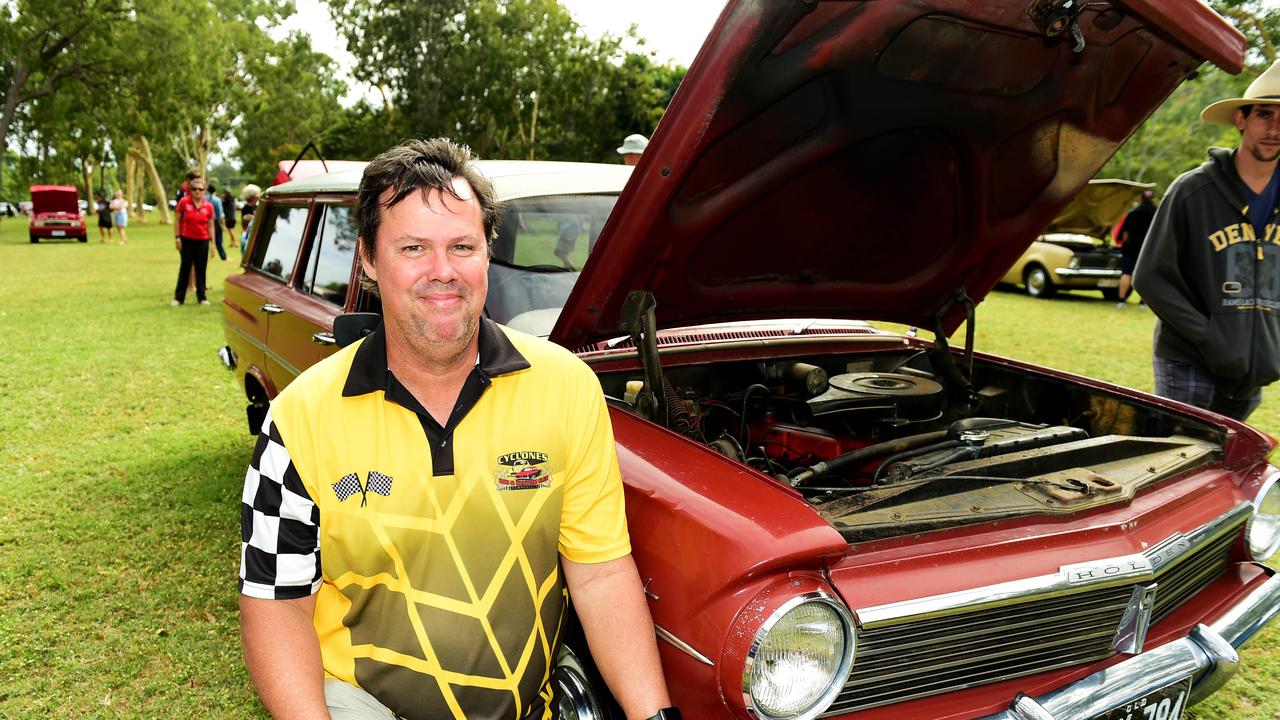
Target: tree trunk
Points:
(162, 197)
(203, 141)
(12, 97)
(133, 204)
(87, 165)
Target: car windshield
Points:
(542, 243)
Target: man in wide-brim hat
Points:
(1210, 268)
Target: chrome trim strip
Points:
(1199, 655)
(1069, 578)
(268, 352)
(609, 356)
(681, 645)
(1101, 273)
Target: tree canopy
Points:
(1174, 139)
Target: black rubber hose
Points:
(912, 453)
(890, 447)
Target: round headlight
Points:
(1263, 529)
(799, 659)
(1074, 262)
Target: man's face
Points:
(432, 271)
(1260, 132)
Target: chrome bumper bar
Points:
(1207, 654)
(1087, 272)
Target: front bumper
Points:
(1207, 654)
(56, 231)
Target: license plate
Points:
(59, 233)
(1167, 703)
(1109, 283)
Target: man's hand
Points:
(609, 600)
(283, 656)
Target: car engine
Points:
(884, 444)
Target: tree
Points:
(292, 99)
(46, 45)
(512, 78)
(1173, 140)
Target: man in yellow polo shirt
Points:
(418, 503)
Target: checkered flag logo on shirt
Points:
(349, 485)
(346, 487)
(378, 483)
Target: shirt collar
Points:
(369, 371)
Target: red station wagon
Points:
(835, 520)
(55, 213)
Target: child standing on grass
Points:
(104, 217)
(120, 214)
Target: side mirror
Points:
(350, 327)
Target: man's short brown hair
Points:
(422, 166)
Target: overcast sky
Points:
(673, 29)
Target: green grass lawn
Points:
(124, 444)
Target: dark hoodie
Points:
(1213, 285)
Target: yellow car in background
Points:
(1075, 251)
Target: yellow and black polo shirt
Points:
(436, 570)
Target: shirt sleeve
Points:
(279, 525)
(593, 520)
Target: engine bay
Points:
(887, 443)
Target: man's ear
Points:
(1240, 119)
(365, 264)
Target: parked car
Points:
(24, 207)
(55, 213)
(835, 520)
(1075, 251)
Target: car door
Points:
(275, 262)
(250, 297)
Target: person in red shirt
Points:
(193, 230)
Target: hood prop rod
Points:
(942, 350)
(639, 322)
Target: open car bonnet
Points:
(873, 160)
(54, 198)
(1098, 207)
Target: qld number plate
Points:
(59, 233)
(1167, 703)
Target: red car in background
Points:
(55, 213)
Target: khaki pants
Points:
(348, 702)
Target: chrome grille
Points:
(918, 658)
(1190, 576)
(1099, 260)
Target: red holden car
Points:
(835, 520)
(55, 213)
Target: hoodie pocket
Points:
(1226, 346)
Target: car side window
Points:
(282, 231)
(328, 271)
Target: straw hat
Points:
(1264, 90)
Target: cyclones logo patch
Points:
(524, 470)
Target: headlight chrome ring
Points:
(758, 707)
(1262, 530)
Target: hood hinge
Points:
(962, 380)
(639, 322)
